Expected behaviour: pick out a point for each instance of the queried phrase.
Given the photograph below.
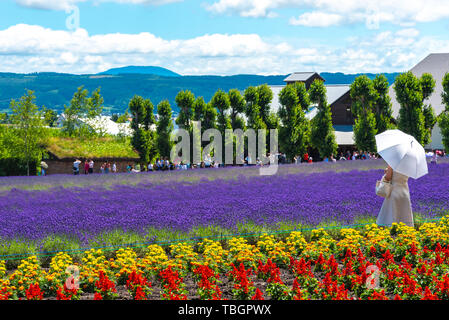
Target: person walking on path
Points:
(44, 167)
(433, 160)
(76, 167)
(86, 167)
(406, 158)
(397, 207)
(91, 166)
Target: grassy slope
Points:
(91, 148)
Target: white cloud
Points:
(317, 19)
(68, 4)
(27, 48)
(402, 12)
(409, 32)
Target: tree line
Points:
(24, 136)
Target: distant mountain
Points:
(54, 90)
(157, 71)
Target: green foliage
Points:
(322, 132)
(430, 120)
(164, 128)
(303, 96)
(382, 106)
(74, 110)
(10, 164)
(185, 101)
(96, 147)
(82, 106)
(50, 117)
(220, 101)
(199, 108)
(237, 104)
(265, 95)
(443, 123)
(123, 118)
(294, 129)
(367, 99)
(428, 86)
(365, 131)
(409, 94)
(252, 109)
(443, 118)
(143, 138)
(4, 118)
(95, 104)
(27, 126)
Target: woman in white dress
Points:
(397, 207)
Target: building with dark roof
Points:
(338, 97)
(306, 77)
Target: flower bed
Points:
(375, 263)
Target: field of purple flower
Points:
(66, 212)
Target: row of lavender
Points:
(292, 196)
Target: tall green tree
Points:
(252, 109)
(82, 106)
(199, 108)
(28, 128)
(143, 139)
(294, 127)
(50, 116)
(237, 104)
(94, 106)
(265, 95)
(409, 94)
(220, 101)
(4, 117)
(164, 128)
(322, 132)
(427, 83)
(303, 96)
(382, 106)
(74, 111)
(185, 101)
(364, 97)
(443, 118)
(206, 114)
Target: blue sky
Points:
(220, 36)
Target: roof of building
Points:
(333, 93)
(300, 76)
(336, 91)
(437, 64)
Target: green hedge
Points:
(17, 167)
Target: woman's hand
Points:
(388, 174)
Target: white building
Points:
(102, 124)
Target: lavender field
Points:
(60, 212)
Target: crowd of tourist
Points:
(164, 164)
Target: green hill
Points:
(157, 71)
(54, 90)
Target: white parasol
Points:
(402, 153)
